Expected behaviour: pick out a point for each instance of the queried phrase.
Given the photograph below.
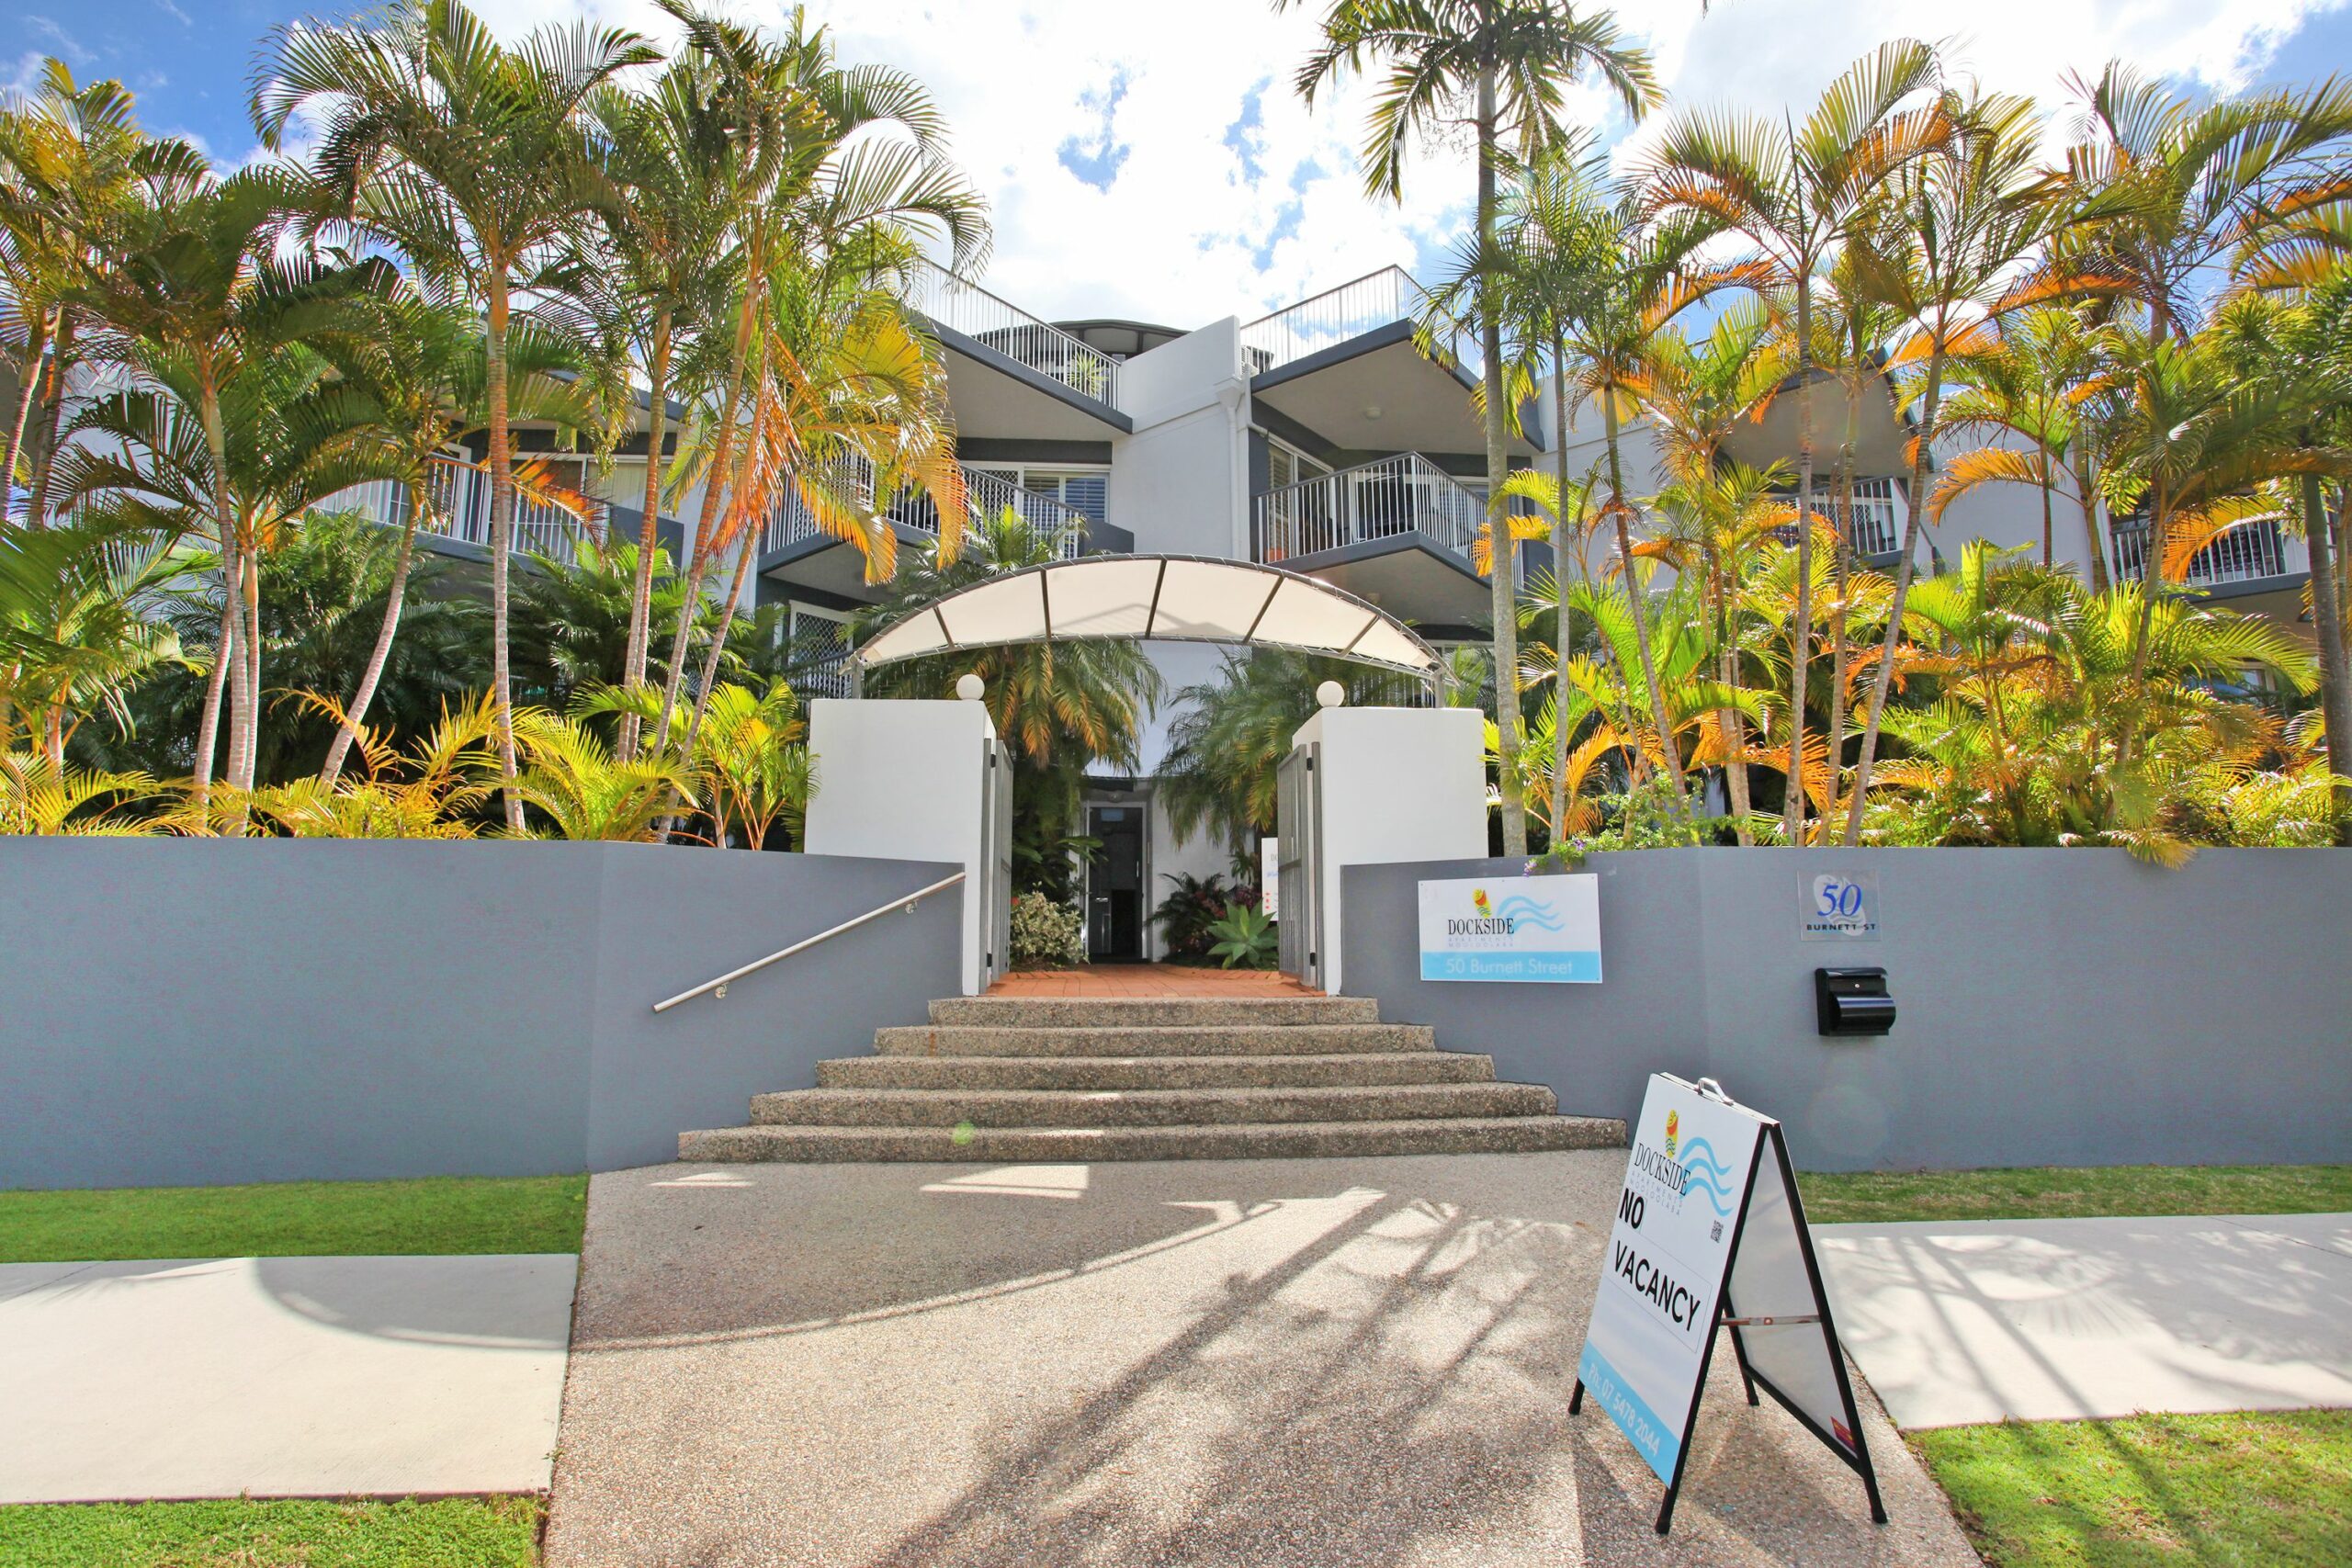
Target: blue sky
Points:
(1149, 158)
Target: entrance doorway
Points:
(1116, 883)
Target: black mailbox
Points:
(1852, 1001)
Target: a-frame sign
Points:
(1710, 1235)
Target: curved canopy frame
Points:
(1159, 599)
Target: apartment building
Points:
(1333, 437)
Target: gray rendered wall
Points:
(2057, 1007)
(182, 1011)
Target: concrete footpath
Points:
(1957, 1322)
(1310, 1363)
(280, 1376)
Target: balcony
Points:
(790, 528)
(970, 317)
(1400, 530)
(460, 513)
(2248, 553)
(1377, 300)
(1873, 523)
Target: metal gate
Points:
(1298, 832)
(995, 891)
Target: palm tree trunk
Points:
(2101, 578)
(501, 514)
(1840, 512)
(357, 713)
(1922, 449)
(640, 596)
(1561, 535)
(1505, 602)
(244, 715)
(248, 763)
(207, 723)
(1800, 632)
(713, 489)
(743, 554)
(2336, 684)
(54, 424)
(1633, 598)
(27, 393)
(2048, 524)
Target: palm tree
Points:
(834, 170)
(411, 375)
(2158, 191)
(73, 166)
(1232, 732)
(201, 303)
(1793, 190)
(2039, 385)
(474, 161)
(1502, 66)
(670, 275)
(1952, 228)
(83, 618)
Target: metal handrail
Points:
(719, 985)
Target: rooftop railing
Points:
(986, 494)
(2245, 554)
(1366, 304)
(962, 306)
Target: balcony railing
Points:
(2246, 553)
(1377, 300)
(987, 495)
(962, 306)
(1872, 526)
(1379, 500)
(460, 511)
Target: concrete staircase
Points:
(1015, 1080)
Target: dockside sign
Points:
(1512, 928)
(1709, 1216)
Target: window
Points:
(1286, 465)
(1080, 489)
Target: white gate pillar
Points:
(1396, 784)
(905, 780)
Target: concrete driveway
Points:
(1255, 1364)
(1987, 1320)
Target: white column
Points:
(903, 780)
(1398, 785)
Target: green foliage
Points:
(1245, 939)
(1192, 908)
(448, 1532)
(1046, 934)
(1233, 732)
(293, 1219)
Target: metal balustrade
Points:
(460, 511)
(2244, 554)
(1873, 522)
(987, 495)
(1379, 500)
(1365, 304)
(962, 306)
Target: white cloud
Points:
(1204, 215)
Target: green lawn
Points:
(2255, 1490)
(462, 1532)
(438, 1214)
(2061, 1192)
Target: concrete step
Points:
(1281, 1140)
(1128, 1012)
(1153, 1040)
(1144, 1107)
(1358, 1067)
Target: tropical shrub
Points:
(1186, 915)
(1046, 935)
(1245, 940)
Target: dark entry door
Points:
(1115, 882)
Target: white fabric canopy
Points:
(1163, 598)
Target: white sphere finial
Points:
(1330, 694)
(970, 687)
